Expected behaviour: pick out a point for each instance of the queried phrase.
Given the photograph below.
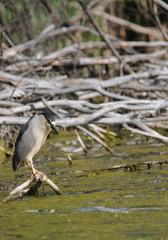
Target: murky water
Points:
(97, 203)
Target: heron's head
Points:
(51, 118)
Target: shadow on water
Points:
(96, 204)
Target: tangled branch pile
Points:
(85, 66)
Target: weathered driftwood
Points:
(85, 61)
(162, 4)
(83, 46)
(62, 86)
(132, 26)
(31, 186)
(48, 33)
(86, 112)
(54, 60)
(131, 167)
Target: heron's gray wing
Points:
(24, 144)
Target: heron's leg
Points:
(35, 172)
(30, 164)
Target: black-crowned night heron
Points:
(31, 138)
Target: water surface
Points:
(97, 203)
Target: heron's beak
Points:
(56, 129)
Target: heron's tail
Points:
(15, 162)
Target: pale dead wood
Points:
(82, 46)
(104, 37)
(34, 182)
(132, 26)
(110, 60)
(162, 30)
(43, 37)
(96, 138)
(131, 167)
(81, 142)
(162, 4)
(82, 84)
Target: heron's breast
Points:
(39, 134)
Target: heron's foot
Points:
(37, 174)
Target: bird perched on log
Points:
(31, 138)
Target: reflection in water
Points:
(101, 209)
(120, 210)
